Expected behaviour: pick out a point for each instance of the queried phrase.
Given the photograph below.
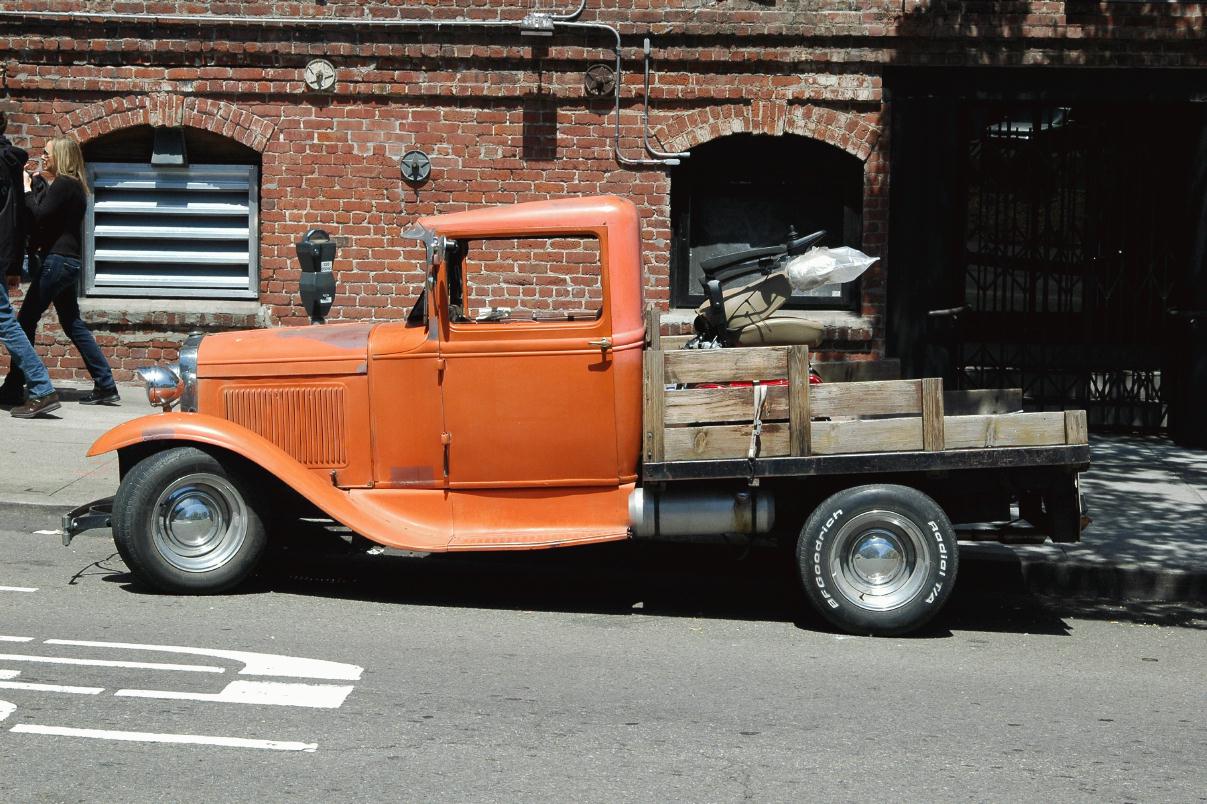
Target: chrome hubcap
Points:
(879, 560)
(200, 522)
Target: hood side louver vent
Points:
(307, 422)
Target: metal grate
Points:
(172, 231)
(307, 422)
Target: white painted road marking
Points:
(255, 664)
(9, 673)
(148, 737)
(21, 685)
(316, 696)
(16, 639)
(6, 709)
(188, 668)
(48, 533)
(18, 589)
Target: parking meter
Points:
(316, 253)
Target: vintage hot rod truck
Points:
(525, 402)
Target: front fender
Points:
(376, 516)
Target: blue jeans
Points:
(24, 359)
(55, 284)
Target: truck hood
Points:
(286, 351)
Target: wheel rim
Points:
(879, 560)
(200, 522)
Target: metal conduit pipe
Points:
(673, 158)
(312, 22)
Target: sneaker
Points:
(37, 406)
(99, 396)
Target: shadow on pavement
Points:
(625, 579)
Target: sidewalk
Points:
(1147, 497)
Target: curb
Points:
(1114, 582)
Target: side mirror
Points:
(316, 253)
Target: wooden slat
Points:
(798, 400)
(866, 435)
(727, 365)
(653, 327)
(1076, 430)
(714, 405)
(932, 414)
(652, 412)
(859, 370)
(903, 397)
(1005, 430)
(723, 441)
(988, 400)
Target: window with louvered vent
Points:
(172, 231)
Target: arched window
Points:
(173, 213)
(746, 190)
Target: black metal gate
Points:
(1058, 231)
(1074, 249)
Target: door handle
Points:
(603, 344)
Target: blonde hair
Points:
(68, 159)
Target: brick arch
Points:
(164, 109)
(854, 133)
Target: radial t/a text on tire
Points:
(183, 522)
(879, 559)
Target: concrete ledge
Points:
(177, 313)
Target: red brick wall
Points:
(505, 118)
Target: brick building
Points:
(1047, 163)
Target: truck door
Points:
(527, 377)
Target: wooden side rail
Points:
(683, 422)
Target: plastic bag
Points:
(827, 266)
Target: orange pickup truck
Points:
(526, 401)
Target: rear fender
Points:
(363, 513)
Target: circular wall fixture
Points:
(416, 167)
(599, 80)
(319, 75)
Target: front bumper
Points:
(96, 514)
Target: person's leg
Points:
(32, 306)
(67, 305)
(25, 360)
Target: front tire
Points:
(183, 523)
(879, 560)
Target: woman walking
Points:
(56, 199)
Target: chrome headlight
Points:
(188, 371)
(164, 385)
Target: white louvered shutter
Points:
(172, 231)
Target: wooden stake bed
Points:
(851, 427)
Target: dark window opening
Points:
(746, 191)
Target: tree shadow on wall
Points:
(1000, 29)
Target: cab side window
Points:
(531, 279)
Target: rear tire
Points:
(183, 523)
(879, 560)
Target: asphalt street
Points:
(610, 674)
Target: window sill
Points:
(178, 314)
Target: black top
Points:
(57, 211)
(12, 210)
